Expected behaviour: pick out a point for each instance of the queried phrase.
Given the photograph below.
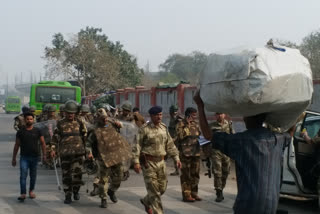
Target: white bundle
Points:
(260, 80)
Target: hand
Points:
(44, 159)
(179, 165)
(14, 162)
(53, 154)
(90, 156)
(118, 124)
(197, 99)
(137, 168)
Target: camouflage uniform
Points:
(220, 161)
(68, 137)
(172, 130)
(172, 126)
(90, 118)
(152, 144)
(189, 150)
(109, 150)
(19, 122)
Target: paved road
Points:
(49, 200)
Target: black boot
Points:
(76, 196)
(68, 200)
(95, 190)
(103, 203)
(219, 195)
(112, 196)
(126, 175)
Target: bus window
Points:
(55, 94)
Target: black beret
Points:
(155, 110)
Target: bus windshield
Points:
(46, 94)
(13, 100)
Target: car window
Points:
(312, 124)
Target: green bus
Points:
(53, 92)
(13, 104)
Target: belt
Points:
(66, 134)
(153, 158)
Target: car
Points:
(299, 176)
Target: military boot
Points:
(95, 190)
(103, 203)
(112, 196)
(219, 195)
(76, 196)
(126, 175)
(68, 200)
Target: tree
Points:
(185, 67)
(310, 48)
(96, 62)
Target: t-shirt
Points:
(29, 141)
(257, 154)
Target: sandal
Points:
(32, 195)
(21, 198)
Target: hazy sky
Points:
(150, 30)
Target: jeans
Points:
(28, 162)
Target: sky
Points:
(150, 30)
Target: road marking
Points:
(5, 207)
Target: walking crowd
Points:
(86, 138)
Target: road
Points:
(50, 200)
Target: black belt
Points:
(70, 134)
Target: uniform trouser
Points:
(72, 168)
(114, 173)
(49, 162)
(220, 169)
(190, 175)
(115, 179)
(155, 179)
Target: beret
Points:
(155, 110)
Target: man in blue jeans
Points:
(27, 138)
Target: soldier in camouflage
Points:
(61, 114)
(188, 132)
(84, 113)
(51, 114)
(174, 120)
(220, 161)
(126, 113)
(109, 149)
(153, 143)
(19, 121)
(69, 137)
(116, 125)
(43, 115)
